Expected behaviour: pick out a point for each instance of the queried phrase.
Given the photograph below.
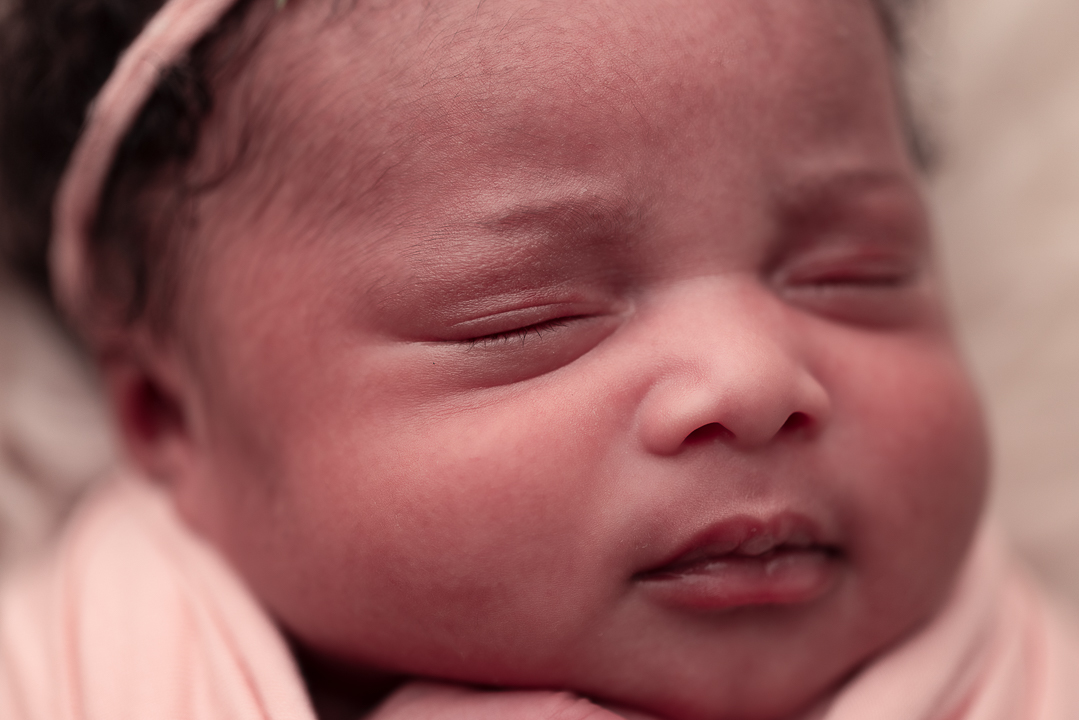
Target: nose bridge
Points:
(726, 367)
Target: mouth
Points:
(746, 562)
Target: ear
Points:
(154, 400)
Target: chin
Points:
(751, 663)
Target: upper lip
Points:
(744, 536)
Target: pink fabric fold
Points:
(133, 617)
(999, 649)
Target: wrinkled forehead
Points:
(364, 101)
(369, 128)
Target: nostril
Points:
(796, 421)
(711, 431)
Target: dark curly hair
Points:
(54, 57)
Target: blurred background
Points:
(996, 83)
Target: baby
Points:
(520, 359)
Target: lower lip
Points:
(784, 578)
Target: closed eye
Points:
(513, 349)
(853, 269)
(862, 288)
(866, 279)
(521, 334)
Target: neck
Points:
(341, 691)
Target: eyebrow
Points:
(563, 231)
(825, 196)
(594, 216)
(817, 186)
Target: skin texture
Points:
(508, 303)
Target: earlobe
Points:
(151, 405)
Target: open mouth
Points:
(746, 562)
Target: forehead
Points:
(379, 94)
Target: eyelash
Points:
(507, 336)
(871, 280)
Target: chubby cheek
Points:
(909, 433)
(383, 517)
(427, 535)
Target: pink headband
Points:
(166, 38)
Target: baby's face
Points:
(580, 345)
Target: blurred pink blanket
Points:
(132, 617)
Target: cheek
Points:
(911, 443)
(354, 505)
(474, 519)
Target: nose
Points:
(727, 369)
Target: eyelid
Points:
(522, 333)
(878, 287)
(500, 349)
(873, 267)
(521, 320)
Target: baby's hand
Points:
(434, 701)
